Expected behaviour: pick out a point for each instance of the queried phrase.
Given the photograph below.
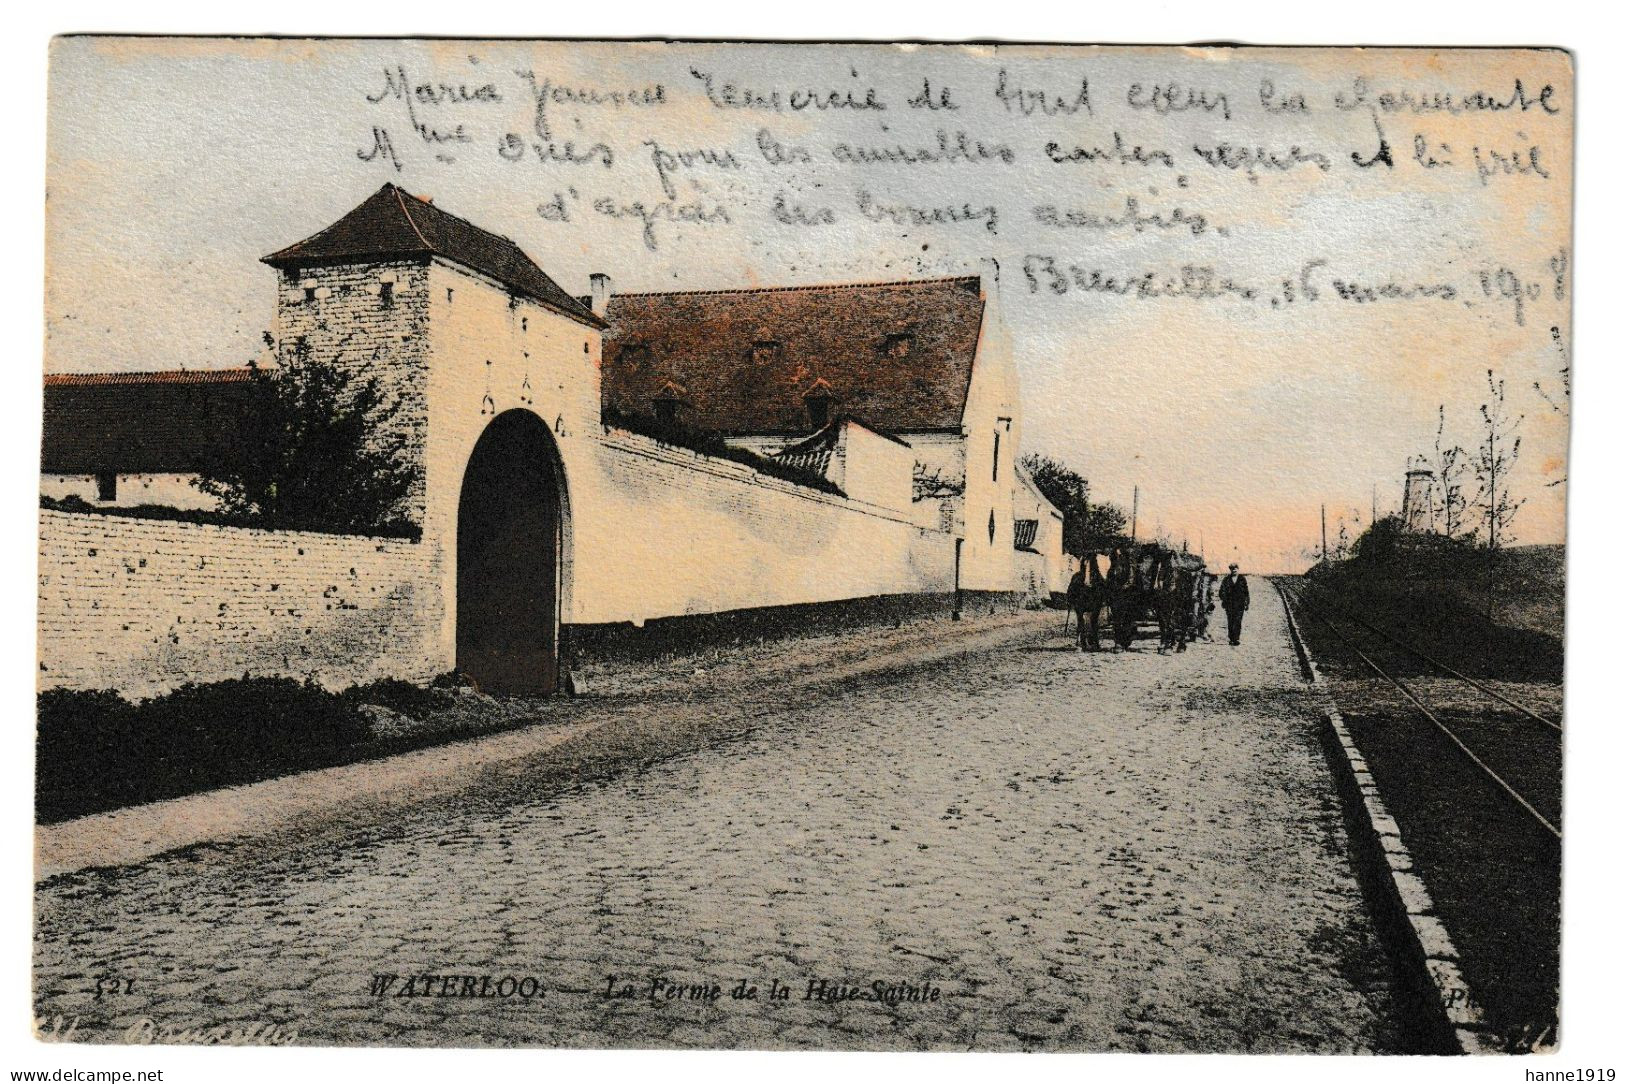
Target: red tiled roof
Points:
(162, 376)
(897, 354)
(139, 423)
(394, 223)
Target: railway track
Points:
(1515, 748)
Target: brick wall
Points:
(145, 605)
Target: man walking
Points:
(1233, 597)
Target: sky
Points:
(1344, 303)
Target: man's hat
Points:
(1234, 566)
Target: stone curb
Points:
(1425, 947)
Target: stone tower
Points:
(488, 355)
(1417, 509)
(456, 320)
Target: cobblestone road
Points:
(1078, 851)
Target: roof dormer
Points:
(668, 401)
(819, 400)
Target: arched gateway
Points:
(509, 520)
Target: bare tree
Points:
(1560, 401)
(1497, 454)
(1348, 529)
(935, 482)
(1450, 468)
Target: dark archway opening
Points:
(509, 521)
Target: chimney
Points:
(600, 294)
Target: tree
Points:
(1381, 542)
(1088, 527)
(314, 447)
(1450, 463)
(1105, 525)
(1348, 528)
(1496, 456)
(1497, 453)
(1560, 402)
(1067, 490)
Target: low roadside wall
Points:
(145, 605)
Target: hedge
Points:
(98, 751)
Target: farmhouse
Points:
(560, 510)
(128, 439)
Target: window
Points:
(899, 345)
(310, 293)
(765, 351)
(106, 486)
(386, 294)
(818, 410)
(666, 402)
(995, 455)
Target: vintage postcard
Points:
(803, 546)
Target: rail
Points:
(1411, 695)
(1447, 669)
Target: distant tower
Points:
(1417, 509)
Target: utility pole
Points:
(1323, 532)
(959, 599)
(1373, 504)
(1134, 518)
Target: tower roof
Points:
(394, 224)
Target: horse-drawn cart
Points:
(1140, 590)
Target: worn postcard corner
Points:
(803, 546)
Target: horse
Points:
(1089, 598)
(1152, 581)
(1167, 603)
(1124, 595)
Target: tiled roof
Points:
(897, 354)
(139, 423)
(162, 376)
(394, 223)
(813, 453)
(812, 459)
